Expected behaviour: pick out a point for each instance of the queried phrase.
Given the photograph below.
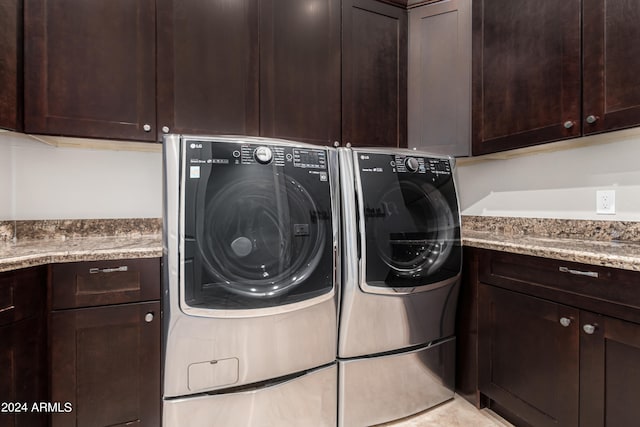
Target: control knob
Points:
(411, 164)
(263, 155)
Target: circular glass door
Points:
(257, 237)
(414, 236)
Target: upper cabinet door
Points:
(611, 64)
(374, 74)
(208, 66)
(11, 64)
(440, 78)
(90, 68)
(300, 70)
(525, 72)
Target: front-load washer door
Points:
(258, 228)
(409, 221)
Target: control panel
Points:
(255, 154)
(411, 164)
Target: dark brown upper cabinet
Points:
(300, 70)
(374, 74)
(531, 82)
(90, 68)
(11, 64)
(268, 68)
(525, 73)
(611, 49)
(208, 67)
(439, 73)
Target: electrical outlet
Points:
(606, 202)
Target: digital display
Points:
(303, 158)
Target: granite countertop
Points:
(608, 243)
(31, 243)
(587, 242)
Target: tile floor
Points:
(454, 413)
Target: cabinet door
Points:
(11, 64)
(90, 68)
(105, 361)
(528, 359)
(440, 78)
(374, 74)
(23, 372)
(611, 64)
(525, 73)
(300, 70)
(609, 372)
(208, 66)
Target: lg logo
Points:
(194, 146)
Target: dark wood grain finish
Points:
(615, 292)
(529, 361)
(208, 53)
(87, 284)
(106, 363)
(525, 73)
(300, 70)
(611, 64)
(374, 74)
(11, 64)
(609, 372)
(22, 294)
(467, 330)
(23, 371)
(90, 68)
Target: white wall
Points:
(557, 184)
(39, 181)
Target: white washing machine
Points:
(402, 260)
(251, 271)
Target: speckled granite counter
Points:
(606, 243)
(30, 243)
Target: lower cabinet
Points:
(529, 361)
(106, 364)
(609, 371)
(558, 343)
(104, 342)
(23, 346)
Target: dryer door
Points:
(257, 235)
(410, 222)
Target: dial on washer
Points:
(263, 155)
(411, 164)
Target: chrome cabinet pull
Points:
(108, 270)
(578, 272)
(568, 124)
(589, 329)
(591, 119)
(565, 321)
(148, 317)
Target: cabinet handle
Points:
(7, 309)
(148, 317)
(165, 129)
(108, 270)
(146, 128)
(568, 124)
(589, 329)
(591, 119)
(578, 272)
(565, 321)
